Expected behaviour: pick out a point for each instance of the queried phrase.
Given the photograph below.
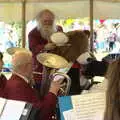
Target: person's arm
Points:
(50, 100)
(34, 45)
(23, 92)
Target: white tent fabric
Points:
(61, 9)
(53, 0)
(11, 10)
(106, 10)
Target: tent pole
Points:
(91, 25)
(23, 23)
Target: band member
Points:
(39, 37)
(21, 89)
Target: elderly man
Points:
(18, 87)
(39, 37)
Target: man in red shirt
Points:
(39, 37)
(18, 87)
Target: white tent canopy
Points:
(106, 10)
(11, 10)
(53, 0)
(73, 9)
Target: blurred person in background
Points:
(112, 111)
(3, 79)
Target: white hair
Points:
(46, 31)
(20, 58)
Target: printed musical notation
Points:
(83, 107)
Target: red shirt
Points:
(36, 45)
(17, 89)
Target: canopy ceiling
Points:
(54, 0)
(11, 10)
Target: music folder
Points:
(16, 110)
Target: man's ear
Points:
(24, 67)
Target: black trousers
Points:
(74, 74)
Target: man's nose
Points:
(48, 22)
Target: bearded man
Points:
(39, 38)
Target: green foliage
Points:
(69, 23)
(17, 26)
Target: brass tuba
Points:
(58, 65)
(67, 80)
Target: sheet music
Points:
(2, 104)
(69, 115)
(13, 110)
(87, 105)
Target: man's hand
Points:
(49, 46)
(55, 86)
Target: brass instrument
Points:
(55, 63)
(38, 73)
(67, 80)
(49, 60)
(52, 60)
(12, 50)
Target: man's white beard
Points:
(47, 30)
